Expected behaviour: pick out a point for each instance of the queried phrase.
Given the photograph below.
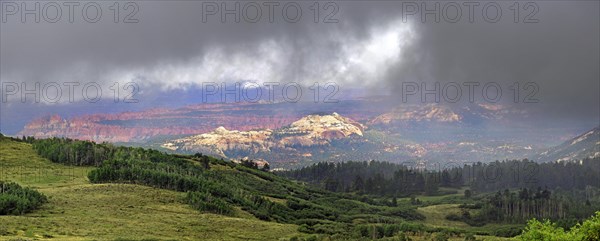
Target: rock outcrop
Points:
(312, 130)
(431, 112)
(319, 129)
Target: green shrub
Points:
(440, 237)
(546, 230)
(17, 200)
(207, 203)
(589, 230)
(470, 237)
(507, 232)
(403, 237)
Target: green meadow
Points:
(78, 210)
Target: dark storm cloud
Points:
(369, 48)
(560, 54)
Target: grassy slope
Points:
(438, 207)
(78, 210)
(435, 215)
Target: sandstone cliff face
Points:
(141, 126)
(319, 129)
(431, 112)
(222, 139)
(308, 131)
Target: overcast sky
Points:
(369, 48)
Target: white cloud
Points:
(351, 61)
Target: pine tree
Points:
(358, 184)
(468, 193)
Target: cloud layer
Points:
(369, 48)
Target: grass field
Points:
(435, 216)
(78, 210)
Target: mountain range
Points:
(296, 134)
(586, 145)
(309, 131)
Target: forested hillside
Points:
(390, 179)
(507, 191)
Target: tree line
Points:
(571, 191)
(375, 177)
(384, 178)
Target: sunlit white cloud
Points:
(353, 61)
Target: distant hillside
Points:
(586, 145)
(144, 125)
(292, 135)
(429, 113)
(312, 137)
(311, 130)
(334, 137)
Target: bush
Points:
(590, 229)
(546, 230)
(475, 221)
(402, 237)
(471, 205)
(206, 202)
(440, 237)
(454, 217)
(16, 200)
(470, 237)
(507, 232)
